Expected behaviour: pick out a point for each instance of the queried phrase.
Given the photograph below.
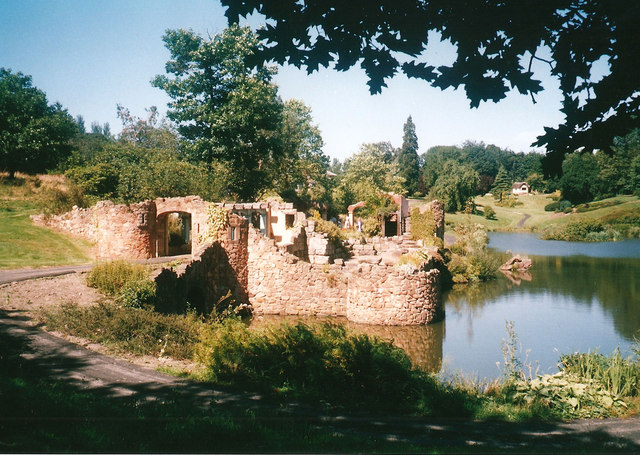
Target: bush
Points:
(314, 361)
(576, 231)
(371, 226)
(138, 294)
(489, 213)
(423, 226)
(54, 201)
(558, 206)
(110, 278)
(98, 180)
(139, 331)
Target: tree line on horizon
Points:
(229, 136)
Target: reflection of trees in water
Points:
(423, 344)
(611, 283)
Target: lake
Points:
(578, 297)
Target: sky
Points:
(90, 55)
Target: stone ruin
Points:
(268, 257)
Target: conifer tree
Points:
(407, 160)
(501, 185)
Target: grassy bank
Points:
(529, 215)
(21, 243)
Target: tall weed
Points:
(111, 277)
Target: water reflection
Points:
(423, 344)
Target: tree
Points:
(152, 132)
(301, 174)
(455, 186)
(227, 112)
(497, 44)
(367, 173)
(407, 159)
(502, 184)
(34, 136)
(579, 176)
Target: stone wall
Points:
(125, 231)
(78, 222)
(216, 269)
(281, 283)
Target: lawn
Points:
(23, 244)
(507, 218)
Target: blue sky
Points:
(90, 55)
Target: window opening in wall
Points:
(174, 234)
(289, 220)
(233, 233)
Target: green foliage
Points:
(619, 376)
(489, 213)
(135, 330)
(423, 226)
(469, 260)
(407, 158)
(367, 174)
(34, 136)
(138, 294)
(455, 186)
(557, 206)
(371, 226)
(579, 176)
(111, 277)
(217, 220)
(97, 180)
(57, 200)
(320, 362)
(576, 231)
(568, 396)
(301, 174)
(494, 41)
(227, 112)
(502, 184)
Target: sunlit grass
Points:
(22, 244)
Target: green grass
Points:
(22, 244)
(42, 415)
(507, 218)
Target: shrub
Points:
(98, 180)
(139, 331)
(575, 231)
(558, 206)
(371, 226)
(315, 361)
(423, 226)
(110, 278)
(138, 294)
(489, 213)
(54, 201)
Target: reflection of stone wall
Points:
(423, 343)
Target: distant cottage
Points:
(520, 188)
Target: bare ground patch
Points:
(29, 297)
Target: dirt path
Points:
(523, 220)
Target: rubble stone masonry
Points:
(302, 274)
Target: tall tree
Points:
(502, 184)
(407, 159)
(497, 43)
(227, 111)
(579, 177)
(34, 136)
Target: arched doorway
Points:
(173, 234)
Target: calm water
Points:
(577, 297)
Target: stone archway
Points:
(173, 233)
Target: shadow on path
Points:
(129, 404)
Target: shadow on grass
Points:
(56, 396)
